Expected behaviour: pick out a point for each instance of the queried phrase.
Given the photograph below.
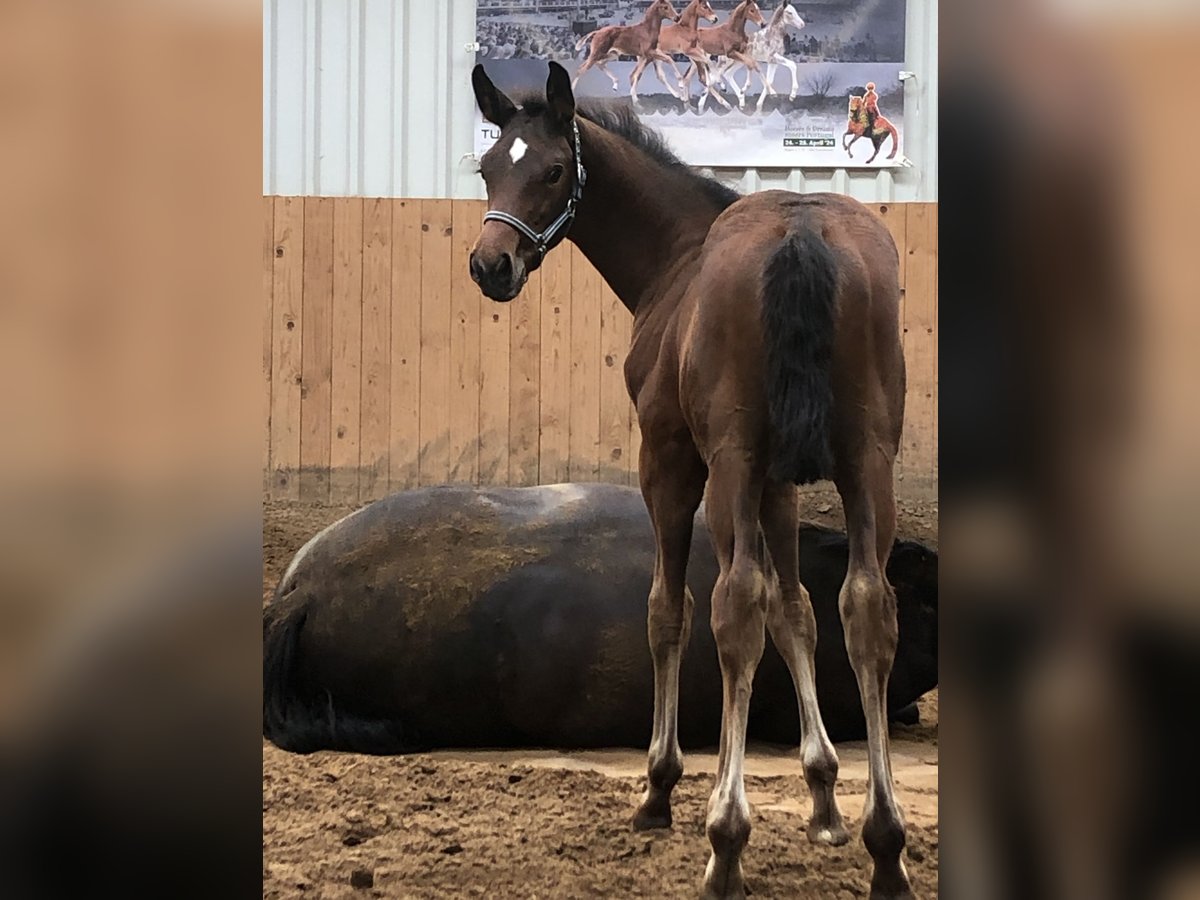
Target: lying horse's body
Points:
(457, 616)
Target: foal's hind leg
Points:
(868, 608)
(794, 632)
(672, 477)
(739, 602)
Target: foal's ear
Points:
(560, 99)
(494, 105)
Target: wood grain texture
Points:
(586, 291)
(616, 325)
(524, 383)
(384, 368)
(346, 398)
(287, 320)
(436, 230)
(375, 425)
(405, 427)
(268, 292)
(554, 412)
(466, 376)
(920, 347)
(495, 370)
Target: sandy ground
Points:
(539, 824)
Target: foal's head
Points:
(787, 13)
(530, 175)
(659, 10)
(753, 13)
(698, 9)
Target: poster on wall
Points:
(813, 83)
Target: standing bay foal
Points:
(765, 354)
(640, 40)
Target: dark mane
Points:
(621, 120)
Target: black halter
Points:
(557, 229)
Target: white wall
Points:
(373, 98)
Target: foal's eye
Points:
(554, 175)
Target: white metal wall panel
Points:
(373, 98)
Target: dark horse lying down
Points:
(456, 616)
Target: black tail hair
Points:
(799, 304)
(297, 717)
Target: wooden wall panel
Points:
(465, 338)
(386, 368)
(404, 438)
(918, 463)
(554, 414)
(346, 379)
(616, 328)
(524, 383)
(268, 286)
(376, 350)
(436, 228)
(584, 442)
(287, 318)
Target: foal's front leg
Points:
(672, 478)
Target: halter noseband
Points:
(543, 241)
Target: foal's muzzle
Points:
(500, 278)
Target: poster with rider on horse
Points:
(762, 83)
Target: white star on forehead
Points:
(517, 150)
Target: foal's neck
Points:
(638, 220)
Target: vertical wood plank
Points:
(375, 427)
(406, 344)
(920, 348)
(554, 411)
(268, 279)
(436, 226)
(317, 368)
(524, 384)
(933, 448)
(287, 328)
(346, 398)
(586, 289)
(465, 374)
(495, 367)
(616, 325)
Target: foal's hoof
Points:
(890, 883)
(829, 835)
(652, 814)
(649, 821)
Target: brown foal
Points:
(729, 40)
(684, 38)
(765, 354)
(639, 40)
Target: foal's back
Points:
(722, 346)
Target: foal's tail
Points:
(583, 40)
(799, 301)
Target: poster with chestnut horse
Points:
(743, 83)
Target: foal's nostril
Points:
(477, 270)
(504, 267)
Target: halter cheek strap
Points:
(556, 230)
